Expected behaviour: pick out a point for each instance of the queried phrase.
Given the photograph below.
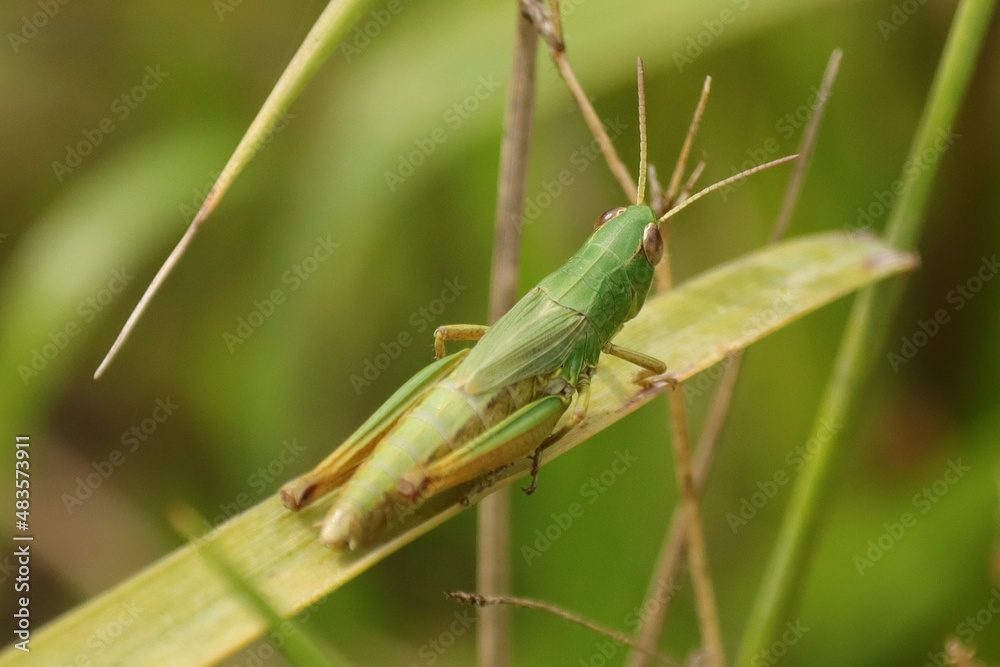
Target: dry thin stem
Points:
(513, 177)
(552, 34)
(662, 585)
(701, 576)
(655, 189)
(493, 565)
(691, 527)
(493, 573)
(692, 179)
(675, 178)
(550, 30)
(158, 279)
(556, 19)
(487, 601)
(664, 282)
(708, 617)
(618, 168)
(661, 588)
(806, 146)
(334, 22)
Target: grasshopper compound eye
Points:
(652, 243)
(608, 215)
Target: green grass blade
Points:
(950, 83)
(103, 227)
(192, 616)
(295, 644)
(323, 37)
(790, 556)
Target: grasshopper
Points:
(480, 409)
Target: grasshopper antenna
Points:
(641, 194)
(721, 184)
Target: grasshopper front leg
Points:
(653, 368)
(456, 332)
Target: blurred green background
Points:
(202, 70)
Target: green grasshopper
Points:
(483, 408)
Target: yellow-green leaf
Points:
(191, 615)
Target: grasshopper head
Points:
(633, 235)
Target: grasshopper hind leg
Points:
(513, 438)
(344, 461)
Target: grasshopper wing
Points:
(536, 337)
(341, 464)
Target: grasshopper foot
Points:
(647, 379)
(535, 465)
